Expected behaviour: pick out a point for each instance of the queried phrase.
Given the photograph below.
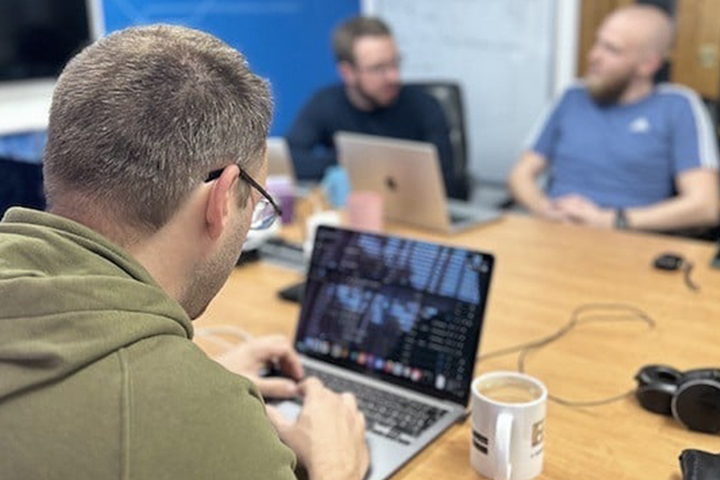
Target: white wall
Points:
(511, 57)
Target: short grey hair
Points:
(139, 119)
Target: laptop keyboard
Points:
(457, 218)
(284, 254)
(395, 417)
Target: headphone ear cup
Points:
(697, 405)
(702, 374)
(657, 385)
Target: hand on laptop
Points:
(251, 357)
(328, 436)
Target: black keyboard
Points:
(457, 218)
(283, 253)
(392, 416)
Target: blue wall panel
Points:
(286, 41)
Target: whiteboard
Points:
(501, 54)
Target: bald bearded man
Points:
(620, 151)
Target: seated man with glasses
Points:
(154, 165)
(370, 100)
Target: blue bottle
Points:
(336, 186)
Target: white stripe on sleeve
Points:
(707, 138)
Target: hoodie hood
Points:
(69, 297)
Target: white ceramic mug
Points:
(327, 217)
(508, 426)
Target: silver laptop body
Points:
(279, 158)
(407, 173)
(391, 317)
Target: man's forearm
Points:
(525, 191)
(523, 183)
(673, 214)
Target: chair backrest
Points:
(20, 185)
(449, 95)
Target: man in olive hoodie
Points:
(153, 172)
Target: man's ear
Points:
(217, 208)
(651, 65)
(346, 72)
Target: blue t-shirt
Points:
(625, 155)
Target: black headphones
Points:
(692, 397)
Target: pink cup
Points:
(365, 211)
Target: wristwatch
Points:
(621, 221)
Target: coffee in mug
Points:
(509, 390)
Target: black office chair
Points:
(21, 184)
(449, 95)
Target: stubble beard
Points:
(209, 278)
(372, 100)
(608, 92)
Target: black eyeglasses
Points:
(392, 65)
(266, 210)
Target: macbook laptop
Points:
(407, 173)
(397, 322)
(279, 159)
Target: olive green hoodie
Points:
(99, 378)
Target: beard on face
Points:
(608, 91)
(209, 278)
(373, 100)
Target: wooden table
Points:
(543, 272)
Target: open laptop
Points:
(407, 173)
(397, 322)
(279, 159)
